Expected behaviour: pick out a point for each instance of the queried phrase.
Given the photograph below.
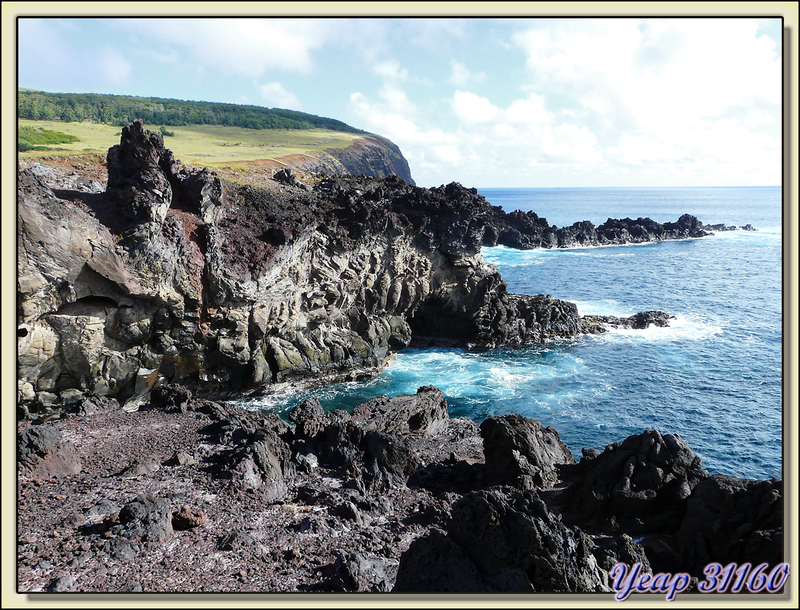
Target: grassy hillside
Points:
(198, 144)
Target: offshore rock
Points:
(595, 324)
(724, 227)
(527, 231)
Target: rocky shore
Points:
(142, 271)
(150, 292)
(190, 495)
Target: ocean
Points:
(714, 376)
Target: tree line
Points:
(122, 110)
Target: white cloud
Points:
(397, 99)
(116, 69)
(530, 111)
(471, 108)
(606, 101)
(391, 70)
(489, 140)
(448, 153)
(756, 118)
(460, 76)
(277, 96)
(246, 47)
(663, 91)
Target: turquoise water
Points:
(714, 377)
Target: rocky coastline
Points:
(172, 274)
(150, 292)
(191, 495)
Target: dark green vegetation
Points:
(30, 138)
(123, 109)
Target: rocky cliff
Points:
(368, 155)
(371, 155)
(171, 274)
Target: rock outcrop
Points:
(393, 497)
(501, 540)
(42, 451)
(639, 485)
(519, 451)
(371, 444)
(527, 231)
(172, 275)
(370, 155)
(733, 520)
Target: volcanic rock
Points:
(173, 275)
(501, 541)
(733, 520)
(639, 485)
(521, 452)
(353, 571)
(147, 518)
(41, 451)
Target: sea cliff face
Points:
(370, 155)
(171, 274)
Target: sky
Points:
(522, 102)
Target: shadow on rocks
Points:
(501, 539)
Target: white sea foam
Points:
(504, 376)
(604, 307)
(680, 329)
(278, 398)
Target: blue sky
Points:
(486, 102)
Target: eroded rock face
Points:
(172, 276)
(370, 155)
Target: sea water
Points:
(714, 376)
